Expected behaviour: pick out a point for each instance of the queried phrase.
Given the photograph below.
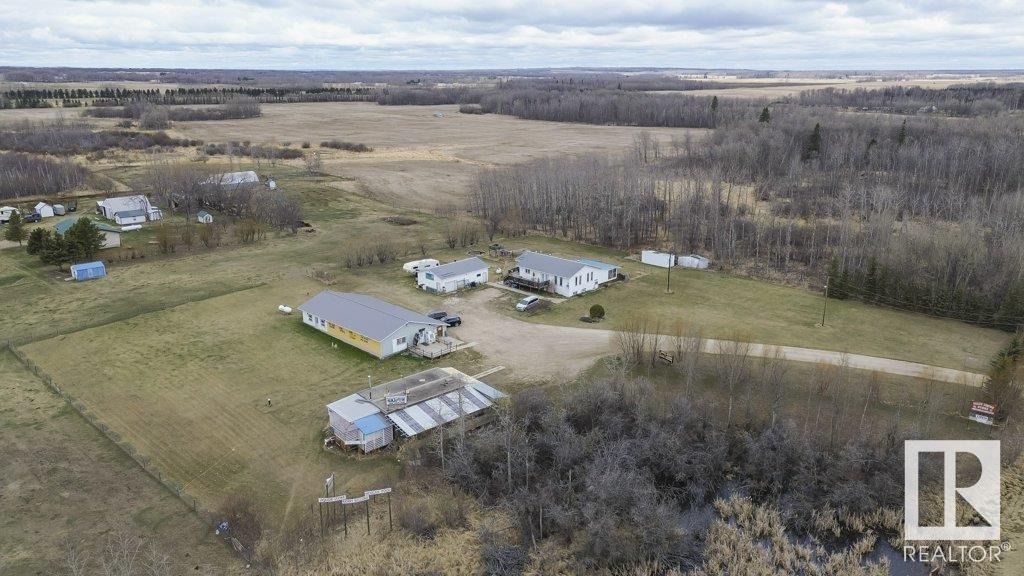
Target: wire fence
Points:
(125, 313)
(206, 516)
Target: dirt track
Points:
(541, 352)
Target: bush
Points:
(349, 146)
(597, 311)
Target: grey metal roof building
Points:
(458, 268)
(549, 264)
(371, 324)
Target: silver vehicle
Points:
(527, 303)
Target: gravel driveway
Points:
(543, 352)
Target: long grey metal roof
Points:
(369, 316)
(457, 268)
(130, 213)
(550, 264)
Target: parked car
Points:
(437, 314)
(527, 303)
(452, 321)
(33, 217)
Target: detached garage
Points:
(453, 276)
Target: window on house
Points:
(399, 341)
(309, 317)
(430, 276)
(321, 322)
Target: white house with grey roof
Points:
(563, 276)
(453, 275)
(371, 418)
(125, 210)
(374, 326)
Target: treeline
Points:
(25, 175)
(429, 96)
(985, 99)
(629, 82)
(69, 138)
(619, 107)
(184, 189)
(152, 116)
(246, 148)
(924, 216)
(100, 97)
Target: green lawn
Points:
(734, 307)
(188, 386)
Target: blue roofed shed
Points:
(88, 271)
(372, 423)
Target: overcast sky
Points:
(392, 34)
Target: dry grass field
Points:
(64, 482)
(418, 158)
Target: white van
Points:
(416, 265)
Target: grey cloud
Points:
(788, 34)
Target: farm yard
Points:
(186, 358)
(196, 406)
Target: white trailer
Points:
(659, 259)
(415, 266)
(694, 261)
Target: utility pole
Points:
(824, 306)
(671, 263)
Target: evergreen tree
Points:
(35, 241)
(15, 229)
(902, 136)
(714, 111)
(836, 288)
(55, 251)
(766, 116)
(814, 142)
(84, 239)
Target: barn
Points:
(370, 324)
(371, 418)
(111, 235)
(453, 275)
(538, 271)
(88, 271)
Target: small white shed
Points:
(44, 210)
(204, 217)
(453, 276)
